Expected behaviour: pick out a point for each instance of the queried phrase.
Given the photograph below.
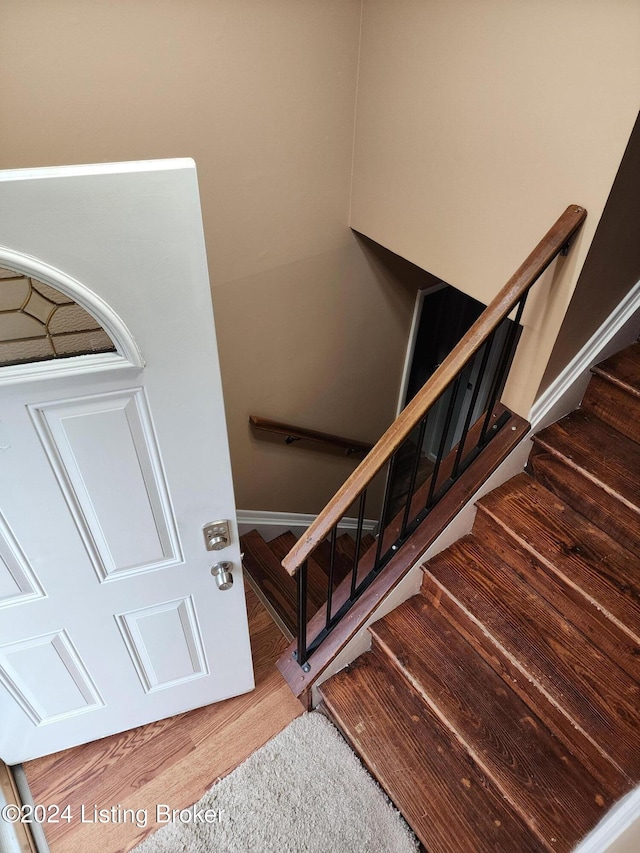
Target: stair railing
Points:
(296, 433)
(492, 339)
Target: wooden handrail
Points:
(554, 241)
(295, 433)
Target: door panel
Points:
(110, 465)
(77, 434)
(164, 643)
(47, 678)
(18, 582)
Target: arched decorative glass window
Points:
(39, 323)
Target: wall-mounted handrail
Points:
(511, 295)
(296, 433)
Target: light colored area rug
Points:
(303, 792)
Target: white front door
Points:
(111, 463)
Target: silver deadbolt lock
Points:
(216, 535)
(222, 572)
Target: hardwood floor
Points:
(173, 761)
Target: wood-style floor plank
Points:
(173, 761)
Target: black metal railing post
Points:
(301, 584)
(332, 560)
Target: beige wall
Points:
(477, 124)
(628, 842)
(262, 95)
(612, 266)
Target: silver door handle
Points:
(222, 573)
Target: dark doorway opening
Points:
(443, 316)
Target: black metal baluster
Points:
(414, 475)
(332, 557)
(443, 441)
(503, 366)
(385, 509)
(474, 399)
(356, 559)
(301, 583)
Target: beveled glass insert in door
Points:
(39, 323)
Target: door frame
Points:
(413, 337)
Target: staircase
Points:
(277, 589)
(500, 707)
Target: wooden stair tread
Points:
(599, 574)
(623, 369)
(615, 405)
(545, 707)
(594, 503)
(596, 694)
(594, 469)
(606, 634)
(608, 459)
(543, 782)
(448, 801)
(262, 565)
(317, 586)
(344, 556)
(341, 565)
(346, 545)
(613, 394)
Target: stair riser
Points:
(587, 615)
(527, 688)
(614, 405)
(586, 497)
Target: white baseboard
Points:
(272, 524)
(565, 393)
(613, 825)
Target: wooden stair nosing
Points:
(580, 555)
(622, 369)
(447, 800)
(546, 705)
(543, 783)
(596, 693)
(341, 566)
(346, 545)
